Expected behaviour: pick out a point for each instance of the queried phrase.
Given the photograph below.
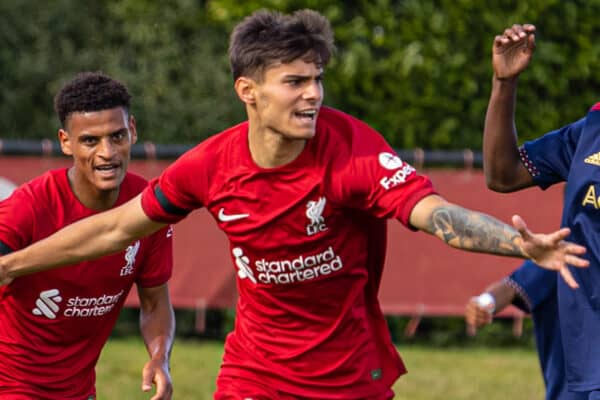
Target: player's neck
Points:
(271, 149)
(89, 196)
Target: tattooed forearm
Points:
(470, 230)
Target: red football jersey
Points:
(308, 241)
(53, 324)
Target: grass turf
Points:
(434, 373)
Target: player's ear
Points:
(132, 129)
(65, 142)
(245, 89)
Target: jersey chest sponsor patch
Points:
(287, 270)
(50, 304)
(70, 297)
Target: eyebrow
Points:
(308, 76)
(85, 135)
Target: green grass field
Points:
(434, 373)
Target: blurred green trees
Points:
(417, 70)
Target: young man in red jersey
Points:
(303, 193)
(53, 324)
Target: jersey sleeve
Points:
(548, 158)
(378, 181)
(158, 259)
(533, 284)
(17, 217)
(178, 190)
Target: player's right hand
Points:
(512, 51)
(476, 316)
(551, 251)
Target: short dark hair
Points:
(267, 37)
(90, 91)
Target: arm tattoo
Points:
(473, 231)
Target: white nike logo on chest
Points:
(230, 217)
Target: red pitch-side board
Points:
(423, 276)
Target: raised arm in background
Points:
(502, 164)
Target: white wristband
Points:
(487, 301)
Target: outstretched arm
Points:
(473, 231)
(92, 237)
(511, 54)
(157, 324)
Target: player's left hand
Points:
(476, 316)
(157, 372)
(551, 251)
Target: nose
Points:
(314, 91)
(106, 148)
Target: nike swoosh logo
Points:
(230, 217)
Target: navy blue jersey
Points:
(572, 154)
(536, 289)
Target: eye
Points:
(119, 136)
(89, 140)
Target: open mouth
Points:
(306, 115)
(107, 168)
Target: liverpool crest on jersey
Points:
(314, 212)
(130, 254)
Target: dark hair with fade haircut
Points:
(90, 91)
(267, 37)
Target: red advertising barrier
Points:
(423, 276)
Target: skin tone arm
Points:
(89, 238)
(473, 231)
(511, 54)
(477, 316)
(157, 324)
(115, 229)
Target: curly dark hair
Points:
(90, 91)
(267, 37)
